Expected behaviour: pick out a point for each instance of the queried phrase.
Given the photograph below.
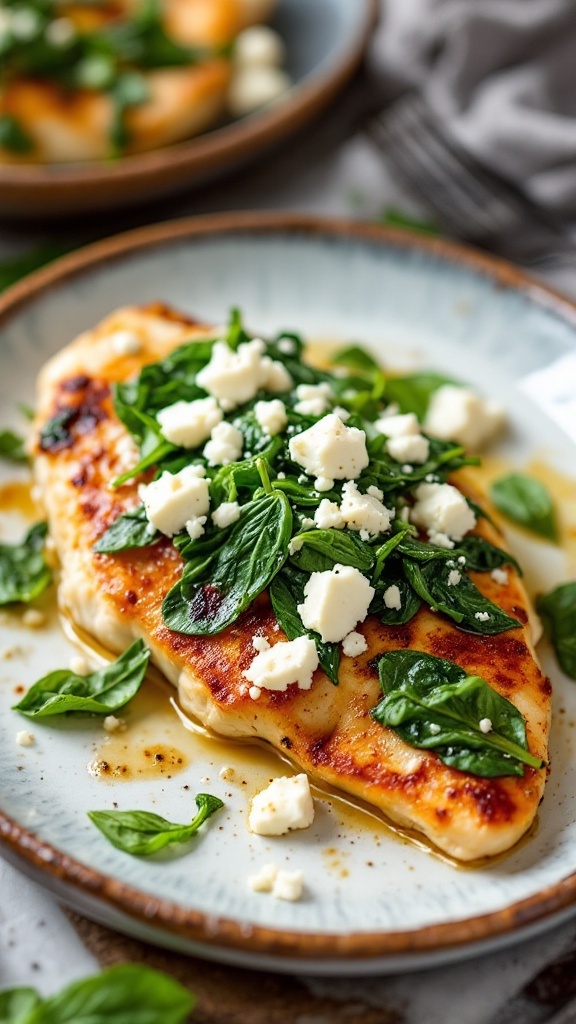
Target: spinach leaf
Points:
(17, 1005)
(130, 530)
(413, 392)
(126, 994)
(215, 590)
(142, 833)
(526, 501)
(409, 601)
(388, 474)
(286, 593)
(462, 602)
(480, 554)
(434, 705)
(24, 574)
(323, 549)
(12, 446)
(358, 359)
(99, 693)
(558, 610)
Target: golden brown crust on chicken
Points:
(328, 730)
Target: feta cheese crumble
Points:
(225, 445)
(328, 516)
(195, 526)
(260, 644)
(393, 598)
(112, 724)
(284, 885)
(313, 399)
(123, 343)
(25, 738)
(79, 666)
(285, 805)
(259, 45)
(434, 729)
(236, 377)
(482, 616)
(364, 511)
(443, 511)
(459, 414)
(277, 667)
(175, 498)
(500, 576)
(271, 416)
(354, 644)
(264, 880)
(330, 449)
(335, 601)
(485, 725)
(226, 514)
(405, 442)
(454, 578)
(188, 424)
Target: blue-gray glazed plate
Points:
(373, 901)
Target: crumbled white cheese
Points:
(271, 416)
(442, 510)
(286, 804)
(441, 540)
(375, 492)
(236, 377)
(330, 449)
(485, 725)
(308, 524)
(188, 424)
(482, 616)
(328, 516)
(458, 414)
(462, 559)
(264, 880)
(364, 511)
(259, 45)
(405, 442)
(79, 666)
(195, 526)
(33, 618)
(226, 514)
(340, 411)
(454, 578)
(123, 343)
(254, 692)
(25, 738)
(225, 445)
(434, 729)
(354, 644)
(335, 601)
(175, 498)
(393, 597)
(113, 724)
(288, 885)
(292, 661)
(295, 545)
(287, 346)
(403, 425)
(406, 468)
(255, 86)
(500, 576)
(260, 644)
(313, 399)
(323, 483)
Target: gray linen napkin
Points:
(483, 126)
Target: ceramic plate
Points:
(325, 42)
(374, 901)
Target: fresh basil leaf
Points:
(17, 1005)
(130, 530)
(558, 610)
(99, 693)
(383, 551)
(24, 574)
(142, 833)
(158, 454)
(434, 705)
(12, 446)
(286, 593)
(358, 359)
(208, 599)
(126, 994)
(388, 474)
(462, 602)
(323, 549)
(413, 392)
(526, 501)
(242, 479)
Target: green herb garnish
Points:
(142, 833)
(12, 446)
(130, 530)
(24, 574)
(558, 611)
(526, 501)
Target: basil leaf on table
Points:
(99, 693)
(24, 574)
(461, 602)
(12, 446)
(215, 590)
(323, 549)
(526, 501)
(558, 610)
(126, 994)
(434, 704)
(130, 530)
(413, 392)
(286, 593)
(142, 833)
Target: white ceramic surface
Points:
(412, 306)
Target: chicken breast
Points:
(328, 731)
(67, 126)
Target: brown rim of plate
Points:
(191, 159)
(163, 914)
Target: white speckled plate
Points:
(373, 901)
